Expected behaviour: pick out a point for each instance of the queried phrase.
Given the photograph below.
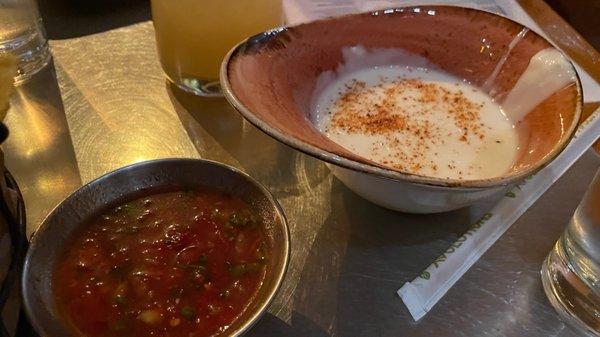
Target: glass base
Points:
(200, 87)
(577, 302)
(31, 50)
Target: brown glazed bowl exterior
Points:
(270, 79)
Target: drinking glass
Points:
(571, 272)
(193, 36)
(22, 34)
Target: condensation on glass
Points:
(22, 34)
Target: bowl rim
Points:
(388, 173)
(279, 275)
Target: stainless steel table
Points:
(107, 105)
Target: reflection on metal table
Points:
(107, 104)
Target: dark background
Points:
(582, 15)
(70, 18)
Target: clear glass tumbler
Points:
(571, 272)
(193, 36)
(22, 34)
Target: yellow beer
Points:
(193, 36)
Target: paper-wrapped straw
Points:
(422, 293)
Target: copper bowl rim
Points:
(379, 171)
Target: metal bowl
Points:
(53, 236)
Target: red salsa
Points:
(169, 264)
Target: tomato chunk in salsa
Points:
(169, 264)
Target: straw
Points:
(422, 293)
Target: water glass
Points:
(193, 36)
(571, 272)
(22, 34)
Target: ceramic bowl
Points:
(53, 236)
(271, 79)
